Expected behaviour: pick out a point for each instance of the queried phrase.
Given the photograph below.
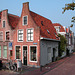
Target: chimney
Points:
(26, 6)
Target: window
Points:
(1, 36)
(3, 24)
(5, 51)
(18, 52)
(25, 20)
(10, 52)
(33, 52)
(7, 36)
(49, 53)
(0, 51)
(20, 35)
(30, 35)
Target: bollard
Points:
(41, 68)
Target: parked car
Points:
(1, 64)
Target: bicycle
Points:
(11, 65)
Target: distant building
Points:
(68, 34)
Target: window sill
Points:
(33, 61)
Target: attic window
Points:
(42, 23)
(25, 20)
(48, 31)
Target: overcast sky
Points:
(51, 9)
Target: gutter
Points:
(42, 38)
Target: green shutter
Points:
(5, 51)
(0, 51)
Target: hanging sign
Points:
(10, 45)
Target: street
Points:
(67, 68)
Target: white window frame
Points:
(3, 51)
(30, 54)
(2, 35)
(27, 53)
(15, 52)
(27, 35)
(2, 24)
(23, 20)
(18, 37)
(9, 34)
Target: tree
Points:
(70, 6)
(62, 44)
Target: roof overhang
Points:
(42, 38)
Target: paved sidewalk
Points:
(46, 68)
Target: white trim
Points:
(9, 34)
(23, 20)
(15, 52)
(27, 34)
(17, 35)
(30, 54)
(27, 53)
(42, 38)
(2, 35)
(2, 23)
(3, 51)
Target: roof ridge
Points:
(13, 15)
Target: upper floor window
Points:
(3, 24)
(25, 20)
(29, 34)
(8, 35)
(1, 35)
(20, 35)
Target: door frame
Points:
(22, 54)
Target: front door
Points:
(25, 55)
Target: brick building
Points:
(32, 38)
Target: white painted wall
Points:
(43, 49)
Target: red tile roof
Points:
(0, 14)
(45, 25)
(61, 27)
(13, 20)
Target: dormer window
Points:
(3, 24)
(25, 20)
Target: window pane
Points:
(28, 31)
(3, 23)
(30, 35)
(33, 53)
(31, 30)
(1, 35)
(5, 51)
(31, 38)
(20, 35)
(18, 52)
(25, 20)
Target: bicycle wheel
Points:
(13, 68)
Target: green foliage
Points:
(69, 7)
(62, 44)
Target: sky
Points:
(51, 9)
